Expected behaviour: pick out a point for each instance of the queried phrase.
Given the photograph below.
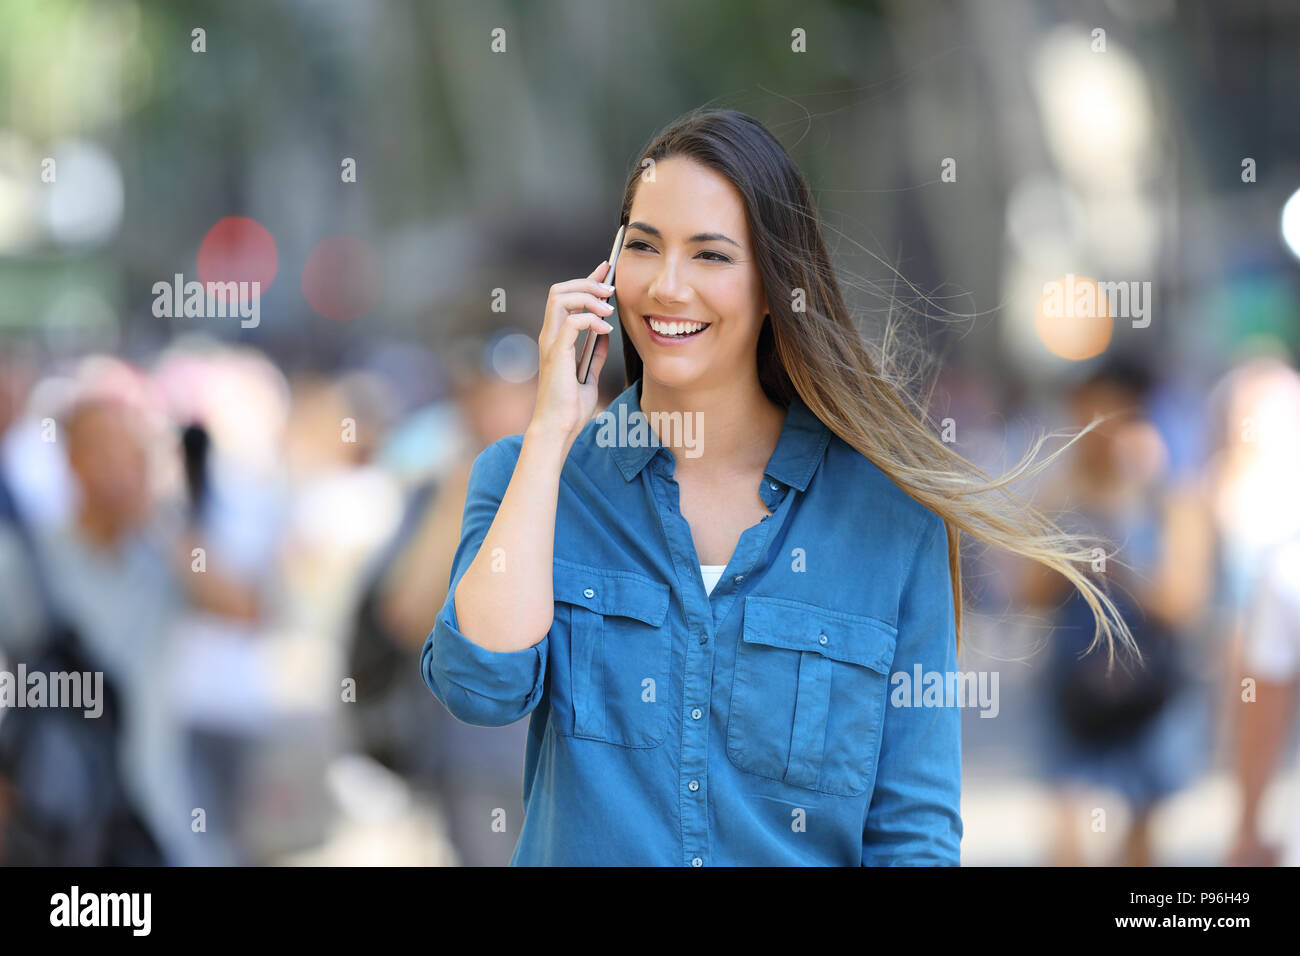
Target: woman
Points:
(751, 722)
(1141, 734)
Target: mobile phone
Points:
(589, 346)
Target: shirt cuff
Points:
(479, 686)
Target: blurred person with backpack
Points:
(63, 801)
(111, 583)
(1136, 729)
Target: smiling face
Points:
(688, 256)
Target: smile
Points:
(673, 331)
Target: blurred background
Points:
(246, 519)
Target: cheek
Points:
(737, 300)
(631, 277)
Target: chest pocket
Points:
(808, 696)
(619, 656)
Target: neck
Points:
(741, 425)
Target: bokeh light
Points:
(1073, 319)
(238, 249)
(342, 278)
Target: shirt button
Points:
(693, 785)
(589, 593)
(738, 578)
(697, 862)
(821, 639)
(772, 485)
(696, 713)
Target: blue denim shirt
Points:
(752, 726)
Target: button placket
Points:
(751, 548)
(698, 666)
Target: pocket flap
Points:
(797, 626)
(611, 592)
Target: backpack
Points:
(63, 801)
(1099, 709)
(380, 664)
(71, 806)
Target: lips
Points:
(669, 330)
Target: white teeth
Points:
(676, 328)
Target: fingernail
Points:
(607, 287)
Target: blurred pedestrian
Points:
(1138, 730)
(1270, 661)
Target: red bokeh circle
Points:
(342, 278)
(238, 249)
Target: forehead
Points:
(687, 197)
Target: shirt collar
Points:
(799, 450)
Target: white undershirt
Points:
(711, 573)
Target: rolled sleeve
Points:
(915, 814)
(476, 685)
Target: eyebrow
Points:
(698, 237)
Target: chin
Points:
(674, 372)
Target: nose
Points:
(667, 286)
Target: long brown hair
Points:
(818, 353)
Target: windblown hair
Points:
(820, 354)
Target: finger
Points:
(574, 324)
(583, 302)
(599, 272)
(589, 285)
(600, 290)
(571, 304)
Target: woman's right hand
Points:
(564, 406)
